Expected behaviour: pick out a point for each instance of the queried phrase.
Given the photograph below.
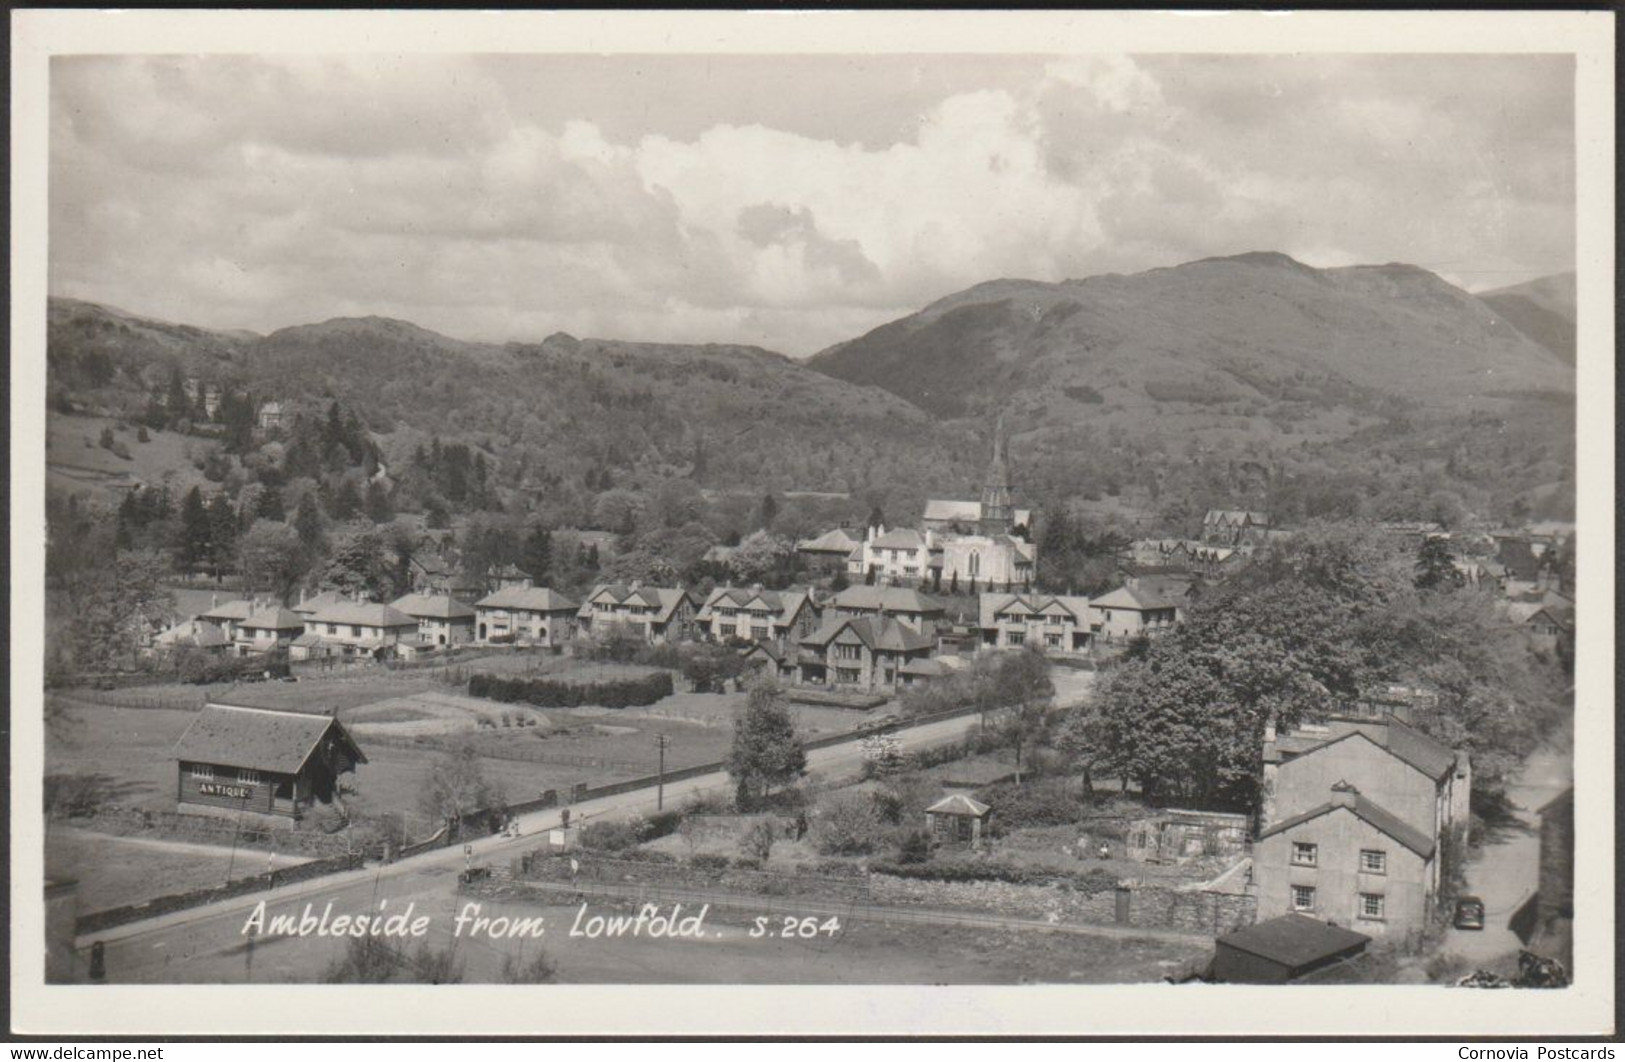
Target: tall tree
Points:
(193, 548)
(307, 521)
(1435, 567)
(766, 752)
(536, 556)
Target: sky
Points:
(789, 202)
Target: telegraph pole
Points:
(660, 780)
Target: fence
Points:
(130, 697)
(136, 912)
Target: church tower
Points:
(996, 515)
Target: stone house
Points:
(354, 630)
(1234, 527)
(532, 615)
(1132, 610)
(909, 607)
(1350, 862)
(864, 652)
(753, 615)
(1056, 623)
(267, 627)
(660, 614)
(442, 619)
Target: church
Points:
(962, 544)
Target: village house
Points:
(773, 659)
(270, 416)
(860, 652)
(1133, 609)
(909, 607)
(266, 628)
(754, 614)
(1184, 555)
(659, 614)
(227, 614)
(1055, 623)
(442, 619)
(510, 577)
(1348, 861)
(530, 615)
(1235, 527)
(354, 630)
(259, 760)
(429, 573)
(467, 586)
(194, 633)
(901, 556)
(308, 606)
(830, 551)
(1354, 811)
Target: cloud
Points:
(510, 198)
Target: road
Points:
(160, 949)
(1507, 871)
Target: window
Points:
(846, 674)
(1373, 861)
(848, 652)
(1371, 905)
(248, 776)
(202, 771)
(355, 631)
(1303, 898)
(1052, 639)
(332, 628)
(1015, 637)
(1304, 855)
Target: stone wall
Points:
(254, 832)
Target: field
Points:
(114, 871)
(75, 468)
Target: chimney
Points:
(214, 601)
(1344, 795)
(1269, 731)
(301, 595)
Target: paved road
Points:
(146, 950)
(1507, 872)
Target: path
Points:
(1506, 872)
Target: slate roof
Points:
(363, 614)
(258, 738)
(433, 606)
(991, 605)
(781, 604)
(275, 618)
(229, 610)
(528, 599)
(1370, 812)
(876, 632)
(905, 538)
(1234, 517)
(1410, 745)
(891, 598)
(312, 605)
(840, 540)
(955, 511)
(959, 804)
(1133, 598)
(663, 599)
(1294, 940)
(198, 633)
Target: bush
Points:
(1041, 803)
(74, 794)
(710, 861)
(757, 842)
(612, 835)
(914, 848)
(559, 693)
(1095, 880)
(847, 824)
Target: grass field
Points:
(114, 871)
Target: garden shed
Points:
(957, 819)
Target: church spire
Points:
(996, 515)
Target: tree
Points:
(536, 555)
(307, 521)
(365, 564)
(377, 505)
(1435, 567)
(113, 607)
(269, 554)
(766, 751)
(1023, 682)
(770, 510)
(269, 506)
(194, 530)
(876, 518)
(848, 824)
(760, 556)
(456, 786)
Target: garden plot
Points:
(434, 713)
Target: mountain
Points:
(735, 416)
(1543, 310)
(1243, 334)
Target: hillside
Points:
(733, 416)
(1251, 331)
(1543, 310)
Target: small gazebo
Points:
(957, 819)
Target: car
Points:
(1469, 913)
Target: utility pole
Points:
(660, 779)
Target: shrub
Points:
(757, 842)
(612, 835)
(74, 794)
(709, 861)
(1093, 881)
(847, 824)
(560, 693)
(914, 848)
(1041, 803)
